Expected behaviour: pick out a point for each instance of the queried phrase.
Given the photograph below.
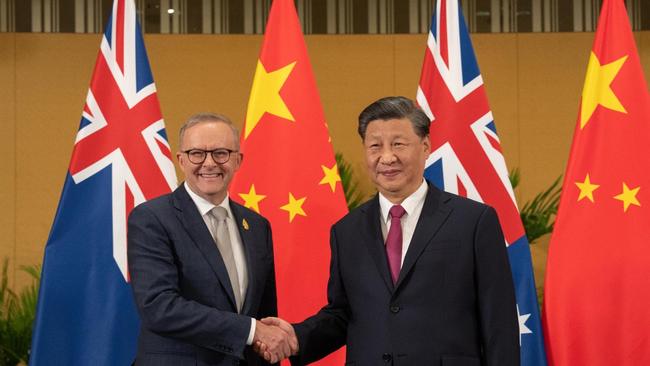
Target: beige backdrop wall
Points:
(533, 83)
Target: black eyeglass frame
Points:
(213, 153)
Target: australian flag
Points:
(121, 157)
(466, 156)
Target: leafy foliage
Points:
(353, 195)
(538, 215)
(17, 313)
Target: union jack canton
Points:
(85, 313)
(466, 156)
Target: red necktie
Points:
(394, 241)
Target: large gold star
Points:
(587, 189)
(628, 197)
(597, 89)
(265, 95)
(294, 207)
(331, 176)
(252, 199)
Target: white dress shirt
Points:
(413, 206)
(204, 206)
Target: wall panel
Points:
(643, 44)
(551, 71)
(533, 82)
(7, 149)
(351, 72)
(199, 73)
(52, 75)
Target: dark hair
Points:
(394, 108)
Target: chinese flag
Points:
(597, 296)
(289, 174)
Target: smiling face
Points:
(395, 157)
(209, 179)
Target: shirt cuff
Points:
(251, 333)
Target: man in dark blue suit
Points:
(418, 276)
(201, 265)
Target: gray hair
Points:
(394, 108)
(204, 117)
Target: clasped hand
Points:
(274, 339)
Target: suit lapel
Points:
(198, 231)
(253, 248)
(373, 239)
(434, 214)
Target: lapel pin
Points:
(244, 223)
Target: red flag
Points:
(289, 174)
(597, 296)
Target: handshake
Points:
(274, 339)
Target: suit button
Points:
(386, 357)
(394, 309)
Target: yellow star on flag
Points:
(331, 176)
(252, 199)
(628, 197)
(265, 95)
(294, 207)
(587, 189)
(597, 89)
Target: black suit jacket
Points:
(181, 286)
(453, 303)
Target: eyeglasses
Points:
(198, 156)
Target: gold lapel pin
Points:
(244, 223)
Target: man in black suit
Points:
(201, 265)
(418, 276)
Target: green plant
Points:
(353, 195)
(17, 313)
(538, 215)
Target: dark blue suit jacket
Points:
(181, 286)
(453, 304)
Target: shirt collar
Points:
(409, 204)
(204, 205)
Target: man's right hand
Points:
(278, 353)
(273, 342)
